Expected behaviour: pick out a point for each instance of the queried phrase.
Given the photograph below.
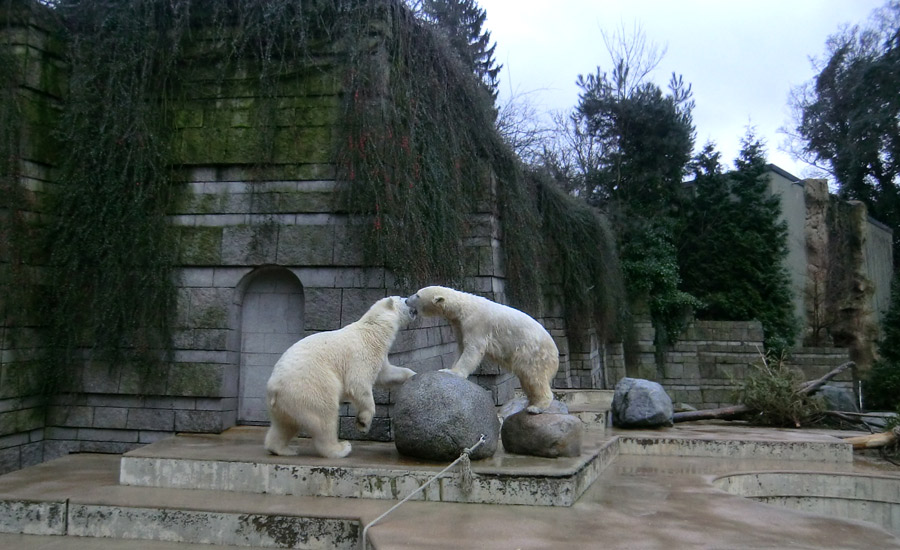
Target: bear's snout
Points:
(412, 309)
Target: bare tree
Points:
(522, 126)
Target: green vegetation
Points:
(881, 387)
(771, 388)
(462, 21)
(583, 258)
(732, 245)
(17, 248)
(845, 119)
(644, 140)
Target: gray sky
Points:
(741, 57)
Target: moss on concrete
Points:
(199, 245)
(196, 380)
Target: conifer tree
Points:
(881, 388)
(463, 22)
(734, 243)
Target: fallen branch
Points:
(811, 387)
(712, 414)
(874, 441)
(724, 413)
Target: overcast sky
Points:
(741, 57)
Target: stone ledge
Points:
(236, 462)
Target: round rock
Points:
(437, 415)
(639, 403)
(549, 435)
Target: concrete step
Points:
(79, 496)
(591, 406)
(735, 441)
(236, 461)
(51, 542)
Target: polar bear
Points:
(508, 336)
(314, 375)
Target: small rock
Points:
(437, 415)
(547, 434)
(639, 403)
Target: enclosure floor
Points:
(638, 502)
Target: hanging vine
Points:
(417, 156)
(420, 155)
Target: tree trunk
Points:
(711, 414)
(873, 441)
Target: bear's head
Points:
(431, 301)
(393, 310)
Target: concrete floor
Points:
(638, 502)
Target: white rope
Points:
(464, 456)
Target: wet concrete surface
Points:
(638, 502)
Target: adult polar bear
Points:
(508, 336)
(315, 374)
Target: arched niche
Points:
(271, 320)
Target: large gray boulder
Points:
(547, 434)
(639, 403)
(437, 415)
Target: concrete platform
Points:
(235, 461)
(638, 501)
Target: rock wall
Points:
(711, 358)
(33, 91)
(266, 257)
(841, 287)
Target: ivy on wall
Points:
(415, 146)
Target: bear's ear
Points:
(390, 303)
(437, 300)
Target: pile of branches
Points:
(791, 404)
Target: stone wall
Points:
(266, 258)
(34, 92)
(711, 358)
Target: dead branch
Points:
(724, 413)
(811, 387)
(874, 441)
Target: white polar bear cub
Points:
(508, 336)
(314, 375)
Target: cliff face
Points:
(839, 291)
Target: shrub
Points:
(772, 388)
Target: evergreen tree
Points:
(734, 245)
(463, 22)
(645, 139)
(881, 388)
(645, 136)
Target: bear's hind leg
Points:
(324, 433)
(539, 395)
(279, 435)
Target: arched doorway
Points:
(271, 321)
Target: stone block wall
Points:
(34, 92)
(705, 368)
